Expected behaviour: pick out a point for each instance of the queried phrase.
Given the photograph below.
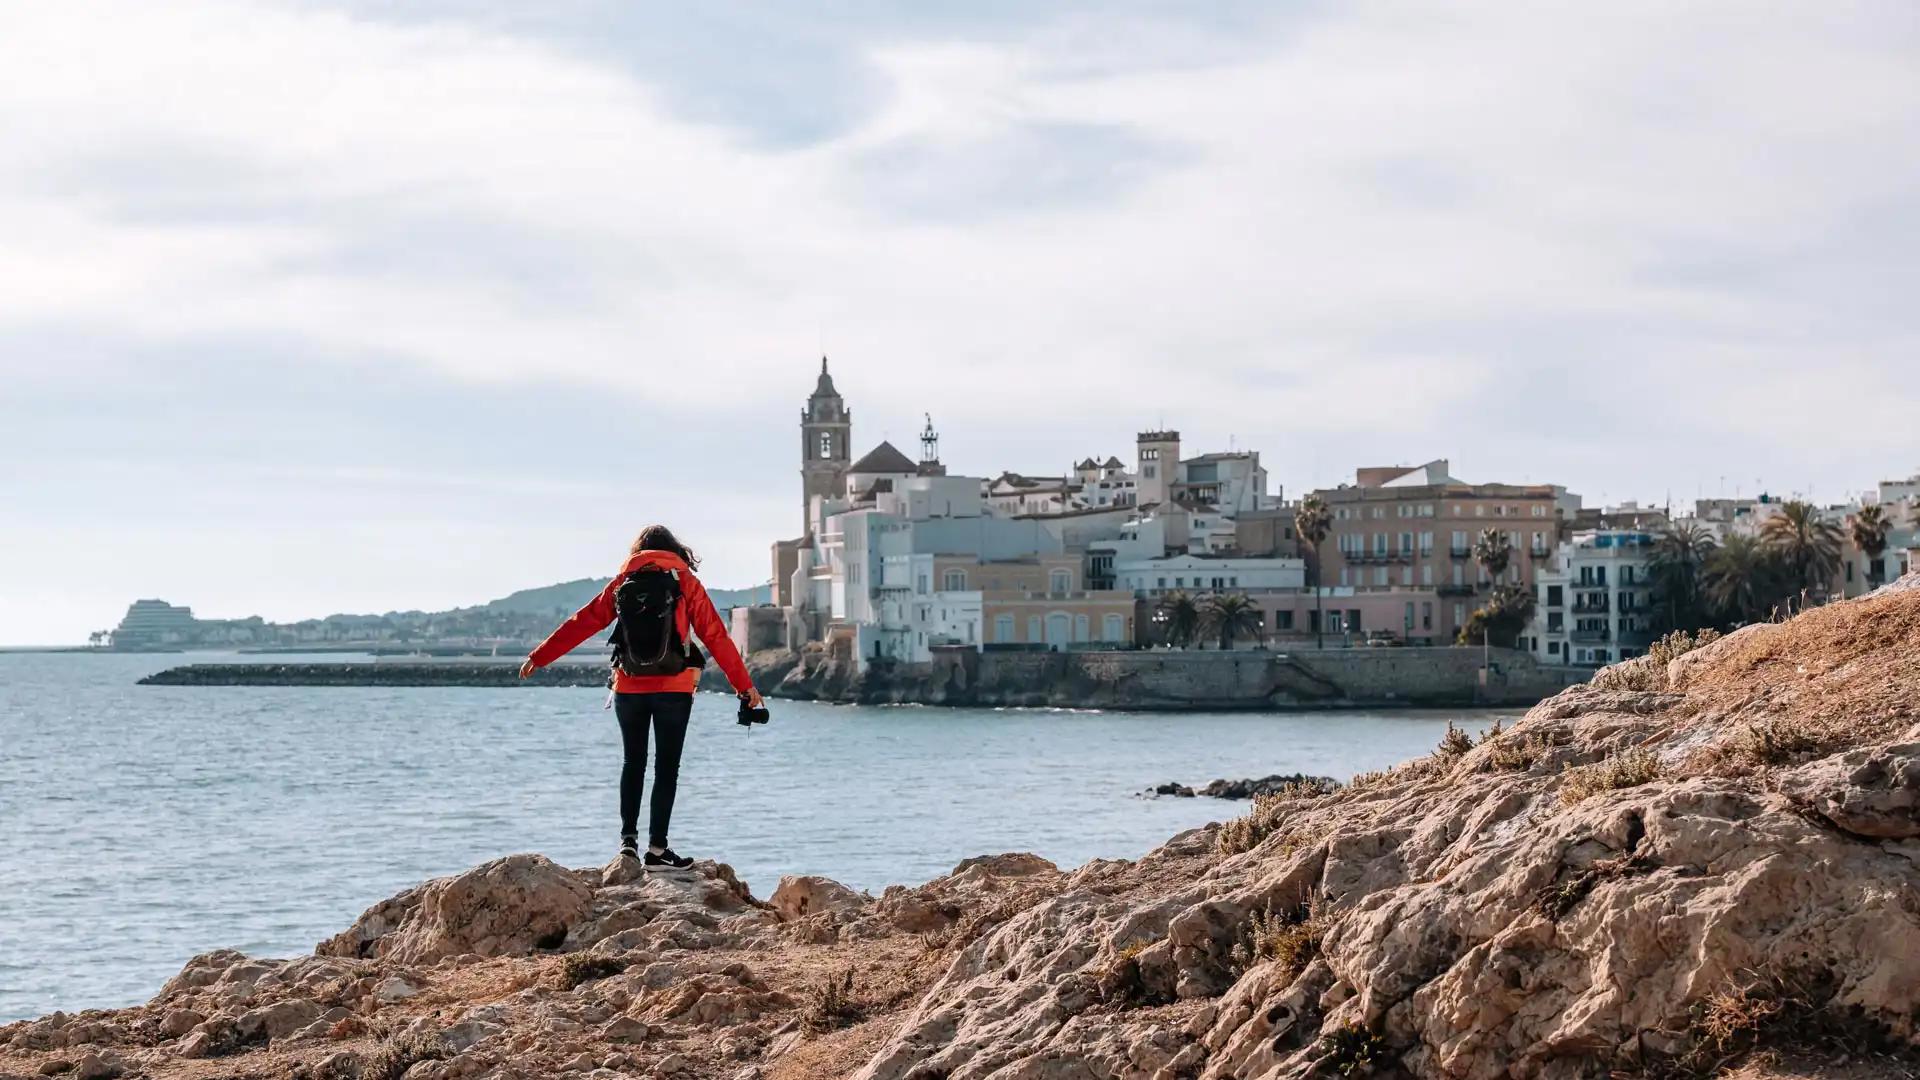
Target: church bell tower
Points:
(826, 430)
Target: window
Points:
(1406, 575)
(826, 445)
(1480, 510)
(1426, 543)
(1426, 573)
(1343, 577)
(922, 583)
(1162, 583)
(1113, 628)
(954, 580)
(1147, 471)
(1059, 580)
(1379, 575)
(1409, 618)
(1034, 632)
(1379, 543)
(1379, 512)
(1406, 543)
(1539, 510)
(1456, 575)
(1426, 615)
(1459, 614)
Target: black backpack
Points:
(646, 634)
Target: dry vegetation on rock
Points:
(1705, 862)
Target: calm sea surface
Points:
(140, 825)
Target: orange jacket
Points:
(694, 611)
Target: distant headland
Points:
(510, 624)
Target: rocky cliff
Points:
(1703, 861)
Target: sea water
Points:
(141, 825)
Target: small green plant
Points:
(1679, 643)
(1624, 769)
(1122, 982)
(401, 1053)
(1560, 897)
(1291, 938)
(580, 968)
(829, 1003)
(1454, 743)
(1352, 1050)
(1263, 820)
(1778, 740)
(1516, 752)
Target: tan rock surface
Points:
(1680, 869)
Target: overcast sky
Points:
(318, 307)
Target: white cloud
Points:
(1352, 230)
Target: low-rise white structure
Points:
(1594, 600)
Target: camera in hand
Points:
(750, 716)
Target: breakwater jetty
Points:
(426, 673)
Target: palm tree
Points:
(1807, 543)
(1231, 615)
(1180, 617)
(1311, 522)
(1493, 551)
(1869, 528)
(1505, 614)
(1679, 557)
(1743, 580)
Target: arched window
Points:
(1059, 580)
(954, 580)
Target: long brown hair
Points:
(661, 538)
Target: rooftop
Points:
(885, 458)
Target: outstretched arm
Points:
(713, 634)
(588, 621)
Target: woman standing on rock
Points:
(657, 606)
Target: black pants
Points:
(667, 713)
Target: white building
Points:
(1594, 600)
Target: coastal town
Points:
(898, 559)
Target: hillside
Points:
(567, 597)
(1692, 864)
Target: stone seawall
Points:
(1159, 679)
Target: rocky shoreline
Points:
(1248, 789)
(1685, 867)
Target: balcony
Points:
(1591, 637)
(1591, 607)
(1455, 590)
(1590, 583)
(1363, 558)
(1459, 552)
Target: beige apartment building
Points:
(1041, 600)
(1399, 555)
